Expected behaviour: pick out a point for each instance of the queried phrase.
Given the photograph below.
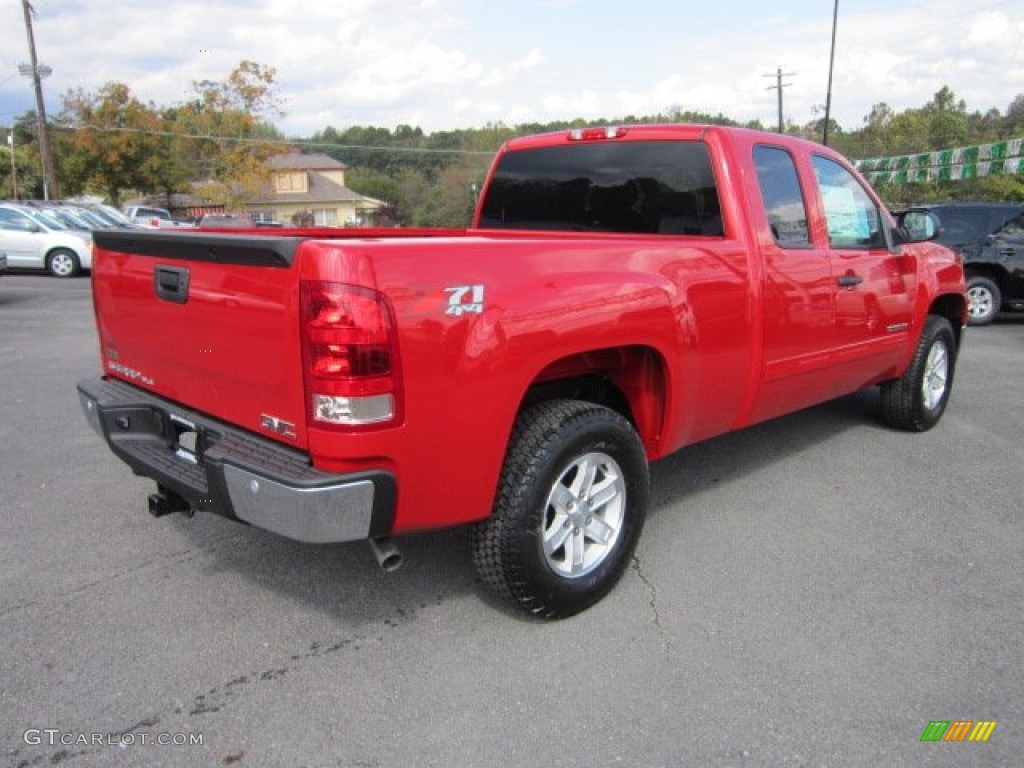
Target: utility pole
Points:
(37, 72)
(779, 85)
(14, 167)
(831, 63)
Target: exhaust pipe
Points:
(387, 554)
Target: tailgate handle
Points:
(171, 284)
(849, 281)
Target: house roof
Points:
(321, 190)
(299, 161)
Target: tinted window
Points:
(655, 187)
(1013, 229)
(853, 218)
(782, 196)
(971, 224)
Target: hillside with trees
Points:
(112, 144)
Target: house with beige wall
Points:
(310, 189)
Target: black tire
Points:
(575, 477)
(917, 400)
(63, 262)
(984, 300)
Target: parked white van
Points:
(33, 239)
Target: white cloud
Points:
(458, 63)
(502, 74)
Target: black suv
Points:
(990, 237)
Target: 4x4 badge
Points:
(465, 298)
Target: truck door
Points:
(798, 311)
(873, 281)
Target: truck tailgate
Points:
(207, 320)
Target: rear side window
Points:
(782, 196)
(853, 219)
(649, 187)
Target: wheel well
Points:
(993, 272)
(629, 380)
(951, 307)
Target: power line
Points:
(276, 142)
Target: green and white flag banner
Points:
(999, 158)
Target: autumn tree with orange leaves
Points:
(113, 142)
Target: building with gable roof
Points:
(309, 190)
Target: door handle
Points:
(849, 281)
(171, 284)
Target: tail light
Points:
(350, 355)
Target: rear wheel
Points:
(917, 400)
(570, 507)
(983, 300)
(62, 262)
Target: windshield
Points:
(653, 187)
(48, 221)
(113, 215)
(93, 219)
(70, 218)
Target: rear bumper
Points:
(219, 468)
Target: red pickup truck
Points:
(622, 292)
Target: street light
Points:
(26, 70)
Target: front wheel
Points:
(62, 262)
(570, 507)
(983, 300)
(917, 400)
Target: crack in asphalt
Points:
(215, 699)
(652, 600)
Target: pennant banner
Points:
(1002, 157)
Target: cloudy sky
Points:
(442, 64)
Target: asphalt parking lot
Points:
(810, 592)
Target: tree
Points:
(946, 119)
(28, 163)
(224, 133)
(114, 140)
(1013, 123)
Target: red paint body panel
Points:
(700, 334)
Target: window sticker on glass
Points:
(847, 220)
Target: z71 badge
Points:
(465, 298)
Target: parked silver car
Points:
(33, 239)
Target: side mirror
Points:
(918, 226)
